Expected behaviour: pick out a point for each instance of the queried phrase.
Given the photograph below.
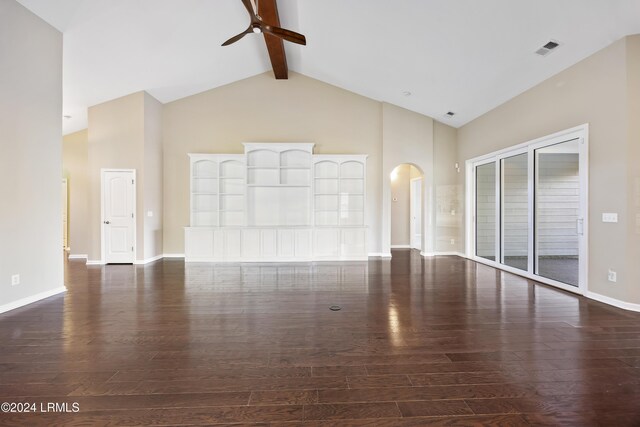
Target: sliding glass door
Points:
(486, 210)
(559, 223)
(529, 209)
(515, 211)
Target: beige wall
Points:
(126, 133)
(261, 109)
(116, 141)
(301, 109)
(407, 138)
(594, 91)
(31, 159)
(153, 177)
(75, 168)
(448, 192)
(633, 165)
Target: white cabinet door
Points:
(218, 245)
(353, 243)
(303, 244)
(268, 244)
(232, 244)
(251, 244)
(198, 244)
(326, 242)
(286, 243)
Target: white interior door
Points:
(118, 219)
(415, 225)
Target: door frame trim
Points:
(579, 132)
(412, 226)
(135, 219)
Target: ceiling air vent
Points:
(548, 48)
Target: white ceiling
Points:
(466, 56)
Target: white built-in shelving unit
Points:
(217, 190)
(276, 202)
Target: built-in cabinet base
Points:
(246, 244)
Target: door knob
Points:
(107, 222)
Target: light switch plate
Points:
(609, 217)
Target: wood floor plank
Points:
(335, 371)
(284, 397)
(351, 411)
(434, 408)
(397, 394)
(379, 381)
(508, 420)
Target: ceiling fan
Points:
(258, 26)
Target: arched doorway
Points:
(407, 195)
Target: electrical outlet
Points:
(15, 280)
(453, 241)
(612, 276)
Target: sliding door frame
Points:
(580, 133)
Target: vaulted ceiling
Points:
(466, 56)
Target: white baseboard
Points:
(613, 301)
(173, 255)
(400, 246)
(137, 262)
(148, 260)
(78, 256)
(30, 300)
(432, 254)
(379, 255)
(452, 253)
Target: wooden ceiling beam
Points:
(268, 11)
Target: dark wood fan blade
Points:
(288, 35)
(238, 37)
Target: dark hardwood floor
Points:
(418, 342)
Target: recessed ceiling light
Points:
(67, 117)
(406, 93)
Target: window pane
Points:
(486, 211)
(557, 212)
(515, 211)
